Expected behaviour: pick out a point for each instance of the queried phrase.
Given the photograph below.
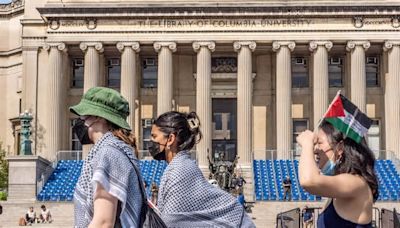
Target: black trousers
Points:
(287, 193)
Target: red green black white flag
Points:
(347, 118)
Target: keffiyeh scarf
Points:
(186, 199)
(107, 164)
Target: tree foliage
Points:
(3, 169)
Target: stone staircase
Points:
(62, 212)
(263, 215)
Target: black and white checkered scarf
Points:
(107, 164)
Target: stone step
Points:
(264, 212)
(62, 213)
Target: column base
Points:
(24, 174)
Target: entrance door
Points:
(224, 120)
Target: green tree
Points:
(3, 169)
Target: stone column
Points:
(392, 99)
(165, 76)
(320, 51)
(244, 99)
(129, 77)
(358, 80)
(203, 101)
(55, 105)
(29, 87)
(92, 77)
(283, 97)
(29, 80)
(244, 112)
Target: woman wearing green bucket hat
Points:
(108, 191)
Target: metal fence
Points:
(376, 217)
(289, 219)
(388, 219)
(69, 155)
(383, 218)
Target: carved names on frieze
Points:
(245, 24)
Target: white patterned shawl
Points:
(107, 164)
(186, 199)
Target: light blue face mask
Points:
(329, 168)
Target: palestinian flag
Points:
(347, 118)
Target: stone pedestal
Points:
(24, 174)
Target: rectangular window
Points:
(218, 121)
(75, 144)
(299, 125)
(335, 71)
(299, 72)
(77, 73)
(372, 71)
(149, 72)
(146, 127)
(113, 73)
(374, 138)
(224, 65)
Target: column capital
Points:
(390, 43)
(276, 45)
(134, 45)
(198, 44)
(314, 45)
(97, 45)
(58, 45)
(169, 45)
(239, 44)
(352, 44)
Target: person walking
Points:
(108, 192)
(186, 199)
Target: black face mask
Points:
(82, 132)
(154, 149)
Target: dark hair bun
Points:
(186, 127)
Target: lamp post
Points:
(26, 119)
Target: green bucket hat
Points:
(106, 103)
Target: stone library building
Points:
(256, 72)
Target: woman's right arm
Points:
(105, 209)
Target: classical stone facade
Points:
(256, 71)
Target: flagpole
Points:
(330, 105)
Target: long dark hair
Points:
(185, 126)
(357, 158)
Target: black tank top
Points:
(330, 218)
